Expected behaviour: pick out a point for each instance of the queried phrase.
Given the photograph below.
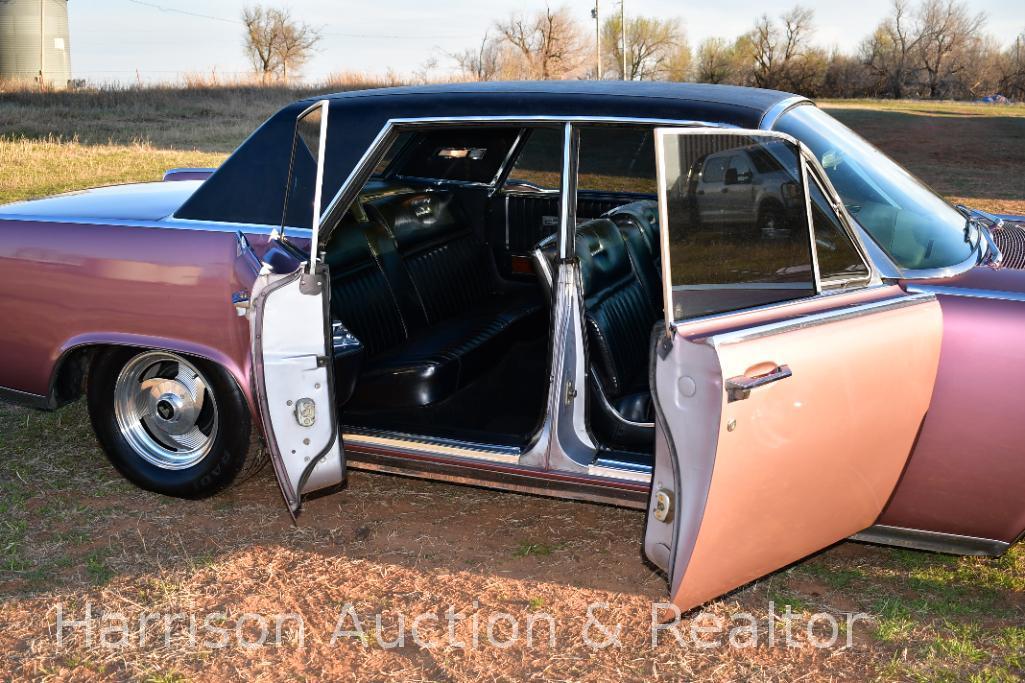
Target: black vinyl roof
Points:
(250, 186)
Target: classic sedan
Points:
(488, 284)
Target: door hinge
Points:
(571, 392)
(311, 284)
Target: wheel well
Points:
(72, 375)
(69, 379)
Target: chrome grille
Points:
(1011, 241)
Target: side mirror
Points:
(731, 177)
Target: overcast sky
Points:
(114, 40)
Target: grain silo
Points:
(34, 42)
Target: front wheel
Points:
(170, 424)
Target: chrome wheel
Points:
(165, 410)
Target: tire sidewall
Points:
(213, 473)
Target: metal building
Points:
(35, 46)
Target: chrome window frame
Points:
(859, 248)
(809, 169)
(350, 188)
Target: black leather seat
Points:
(619, 318)
(437, 317)
(638, 221)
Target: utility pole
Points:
(41, 34)
(597, 37)
(622, 20)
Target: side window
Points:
(618, 159)
(745, 244)
(839, 260)
(539, 163)
(400, 143)
(740, 171)
(713, 169)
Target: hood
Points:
(136, 201)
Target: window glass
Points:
(539, 162)
(714, 168)
(916, 227)
(302, 178)
(745, 242)
(400, 143)
(456, 154)
(617, 159)
(838, 258)
(741, 166)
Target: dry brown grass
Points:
(72, 531)
(969, 153)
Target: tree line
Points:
(932, 49)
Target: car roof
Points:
(696, 92)
(358, 116)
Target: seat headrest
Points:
(602, 253)
(415, 219)
(643, 213)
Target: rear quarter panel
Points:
(66, 285)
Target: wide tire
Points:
(171, 424)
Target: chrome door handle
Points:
(738, 388)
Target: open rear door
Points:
(292, 350)
(785, 413)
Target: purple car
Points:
(519, 286)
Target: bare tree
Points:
(715, 62)
(654, 48)
(548, 44)
(847, 76)
(946, 29)
(260, 37)
(483, 63)
(780, 54)
(1011, 69)
(763, 44)
(891, 51)
(276, 44)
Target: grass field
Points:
(73, 534)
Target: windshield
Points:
(916, 227)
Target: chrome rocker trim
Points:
(933, 541)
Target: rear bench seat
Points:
(418, 288)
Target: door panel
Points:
(785, 416)
(756, 483)
(295, 382)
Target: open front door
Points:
(787, 401)
(292, 351)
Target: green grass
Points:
(529, 549)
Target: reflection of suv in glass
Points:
(746, 189)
